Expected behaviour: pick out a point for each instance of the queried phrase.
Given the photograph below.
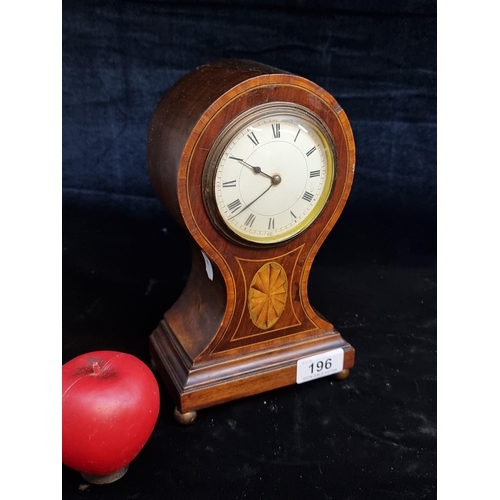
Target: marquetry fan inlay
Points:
(267, 295)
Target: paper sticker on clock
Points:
(320, 365)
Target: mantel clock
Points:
(256, 164)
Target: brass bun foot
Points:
(342, 375)
(108, 478)
(185, 418)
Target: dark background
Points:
(125, 261)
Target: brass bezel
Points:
(220, 144)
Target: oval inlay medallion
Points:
(267, 295)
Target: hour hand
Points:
(256, 170)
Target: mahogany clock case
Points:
(207, 348)
(125, 260)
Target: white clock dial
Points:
(273, 177)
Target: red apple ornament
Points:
(110, 404)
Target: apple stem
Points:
(96, 368)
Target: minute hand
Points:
(251, 203)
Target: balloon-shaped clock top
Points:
(218, 130)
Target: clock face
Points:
(270, 174)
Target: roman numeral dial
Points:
(273, 175)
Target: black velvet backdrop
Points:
(125, 261)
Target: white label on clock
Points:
(208, 266)
(320, 365)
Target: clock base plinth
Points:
(223, 378)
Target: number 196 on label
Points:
(320, 365)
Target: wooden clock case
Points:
(207, 348)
